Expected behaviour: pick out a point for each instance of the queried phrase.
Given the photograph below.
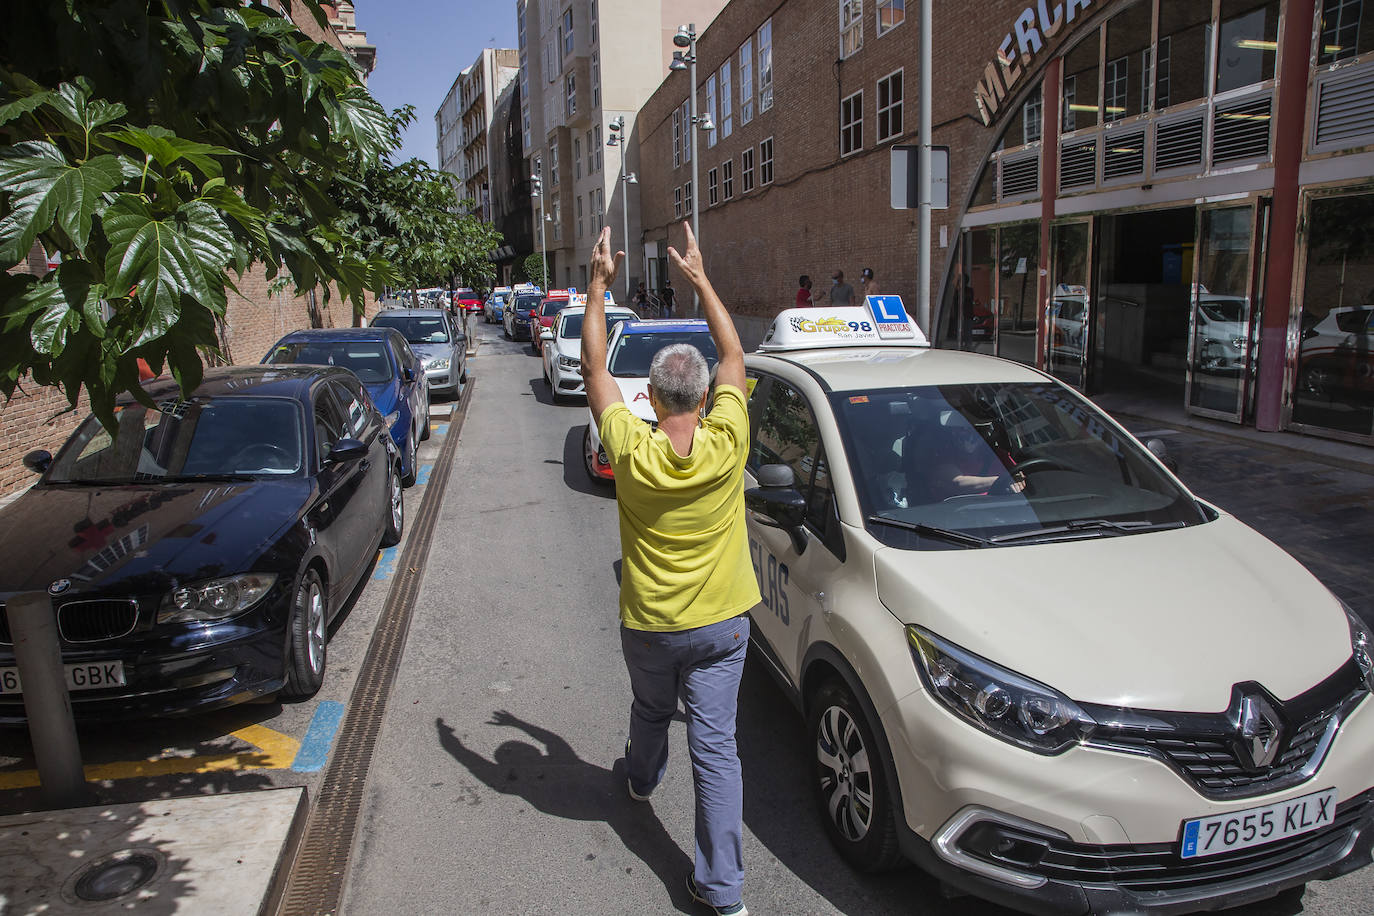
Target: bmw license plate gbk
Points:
(80, 676)
(1209, 836)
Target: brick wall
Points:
(825, 212)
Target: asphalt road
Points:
(496, 786)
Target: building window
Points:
(677, 203)
(727, 121)
(553, 164)
(746, 81)
(1162, 75)
(766, 161)
(598, 202)
(890, 13)
(687, 197)
(765, 43)
(851, 27)
(1032, 116)
(1070, 101)
(890, 107)
(727, 175)
(579, 216)
(596, 79)
(712, 187)
(567, 31)
(852, 123)
(1342, 36)
(577, 158)
(1147, 69)
(711, 108)
(556, 213)
(593, 35)
(1114, 89)
(600, 148)
(747, 169)
(687, 135)
(677, 137)
(572, 94)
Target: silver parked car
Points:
(437, 339)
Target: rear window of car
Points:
(634, 352)
(367, 360)
(418, 329)
(527, 302)
(550, 307)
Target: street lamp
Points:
(617, 138)
(686, 37)
(537, 191)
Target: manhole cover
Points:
(116, 875)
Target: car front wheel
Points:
(851, 781)
(411, 449)
(305, 657)
(395, 508)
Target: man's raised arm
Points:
(602, 391)
(728, 348)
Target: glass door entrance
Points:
(1223, 310)
(1068, 320)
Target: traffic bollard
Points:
(47, 705)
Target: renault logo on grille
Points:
(1260, 732)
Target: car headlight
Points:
(437, 363)
(1000, 702)
(568, 362)
(1362, 644)
(215, 599)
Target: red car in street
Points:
(467, 300)
(548, 309)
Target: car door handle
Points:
(365, 464)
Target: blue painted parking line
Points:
(319, 738)
(422, 478)
(439, 428)
(386, 564)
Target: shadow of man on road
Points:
(558, 783)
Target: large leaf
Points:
(49, 333)
(360, 120)
(44, 187)
(154, 260)
(166, 148)
(213, 247)
(73, 101)
(11, 110)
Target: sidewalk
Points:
(1313, 497)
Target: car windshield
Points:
(186, 440)
(633, 352)
(1000, 463)
(572, 325)
(366, 358)
(527, 302)
(418, 329)
(550, 307)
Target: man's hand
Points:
(689, 264)
(604, 267)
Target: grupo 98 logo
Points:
(830, 326)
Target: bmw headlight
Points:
(568, 362)
(1362, 644)
(215, 599)
(1000, 702)
(437, 363)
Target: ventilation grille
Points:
(94, 621)
(1242, 131)
(1020, 177)
(1123, 155)
(1345, 109)
(1078, 165)
(1178, 144)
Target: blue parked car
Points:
(390, 371)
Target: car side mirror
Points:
(38, 461)
(779, 503)
(1161, 451)
(346, 450)
(546, 334)
(408, 374)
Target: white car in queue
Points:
(562, 350)
(1030, 660)
(628, 353)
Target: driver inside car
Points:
(952, 457)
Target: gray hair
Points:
(679, 376)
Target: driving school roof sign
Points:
(881, 322)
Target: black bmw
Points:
(195, 559)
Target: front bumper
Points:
(445, 380)
(182, 671)
(520, 330)
(1095, 830)
(567, 381)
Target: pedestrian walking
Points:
(640, 301)
(867, 285)
(686, 578)
(667, 295)
(804, 297)
(841, 293)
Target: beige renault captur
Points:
(1029, 658)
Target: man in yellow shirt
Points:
(686, 580)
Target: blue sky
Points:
(422, 45)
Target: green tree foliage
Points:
(154, 146)
(534, 269)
